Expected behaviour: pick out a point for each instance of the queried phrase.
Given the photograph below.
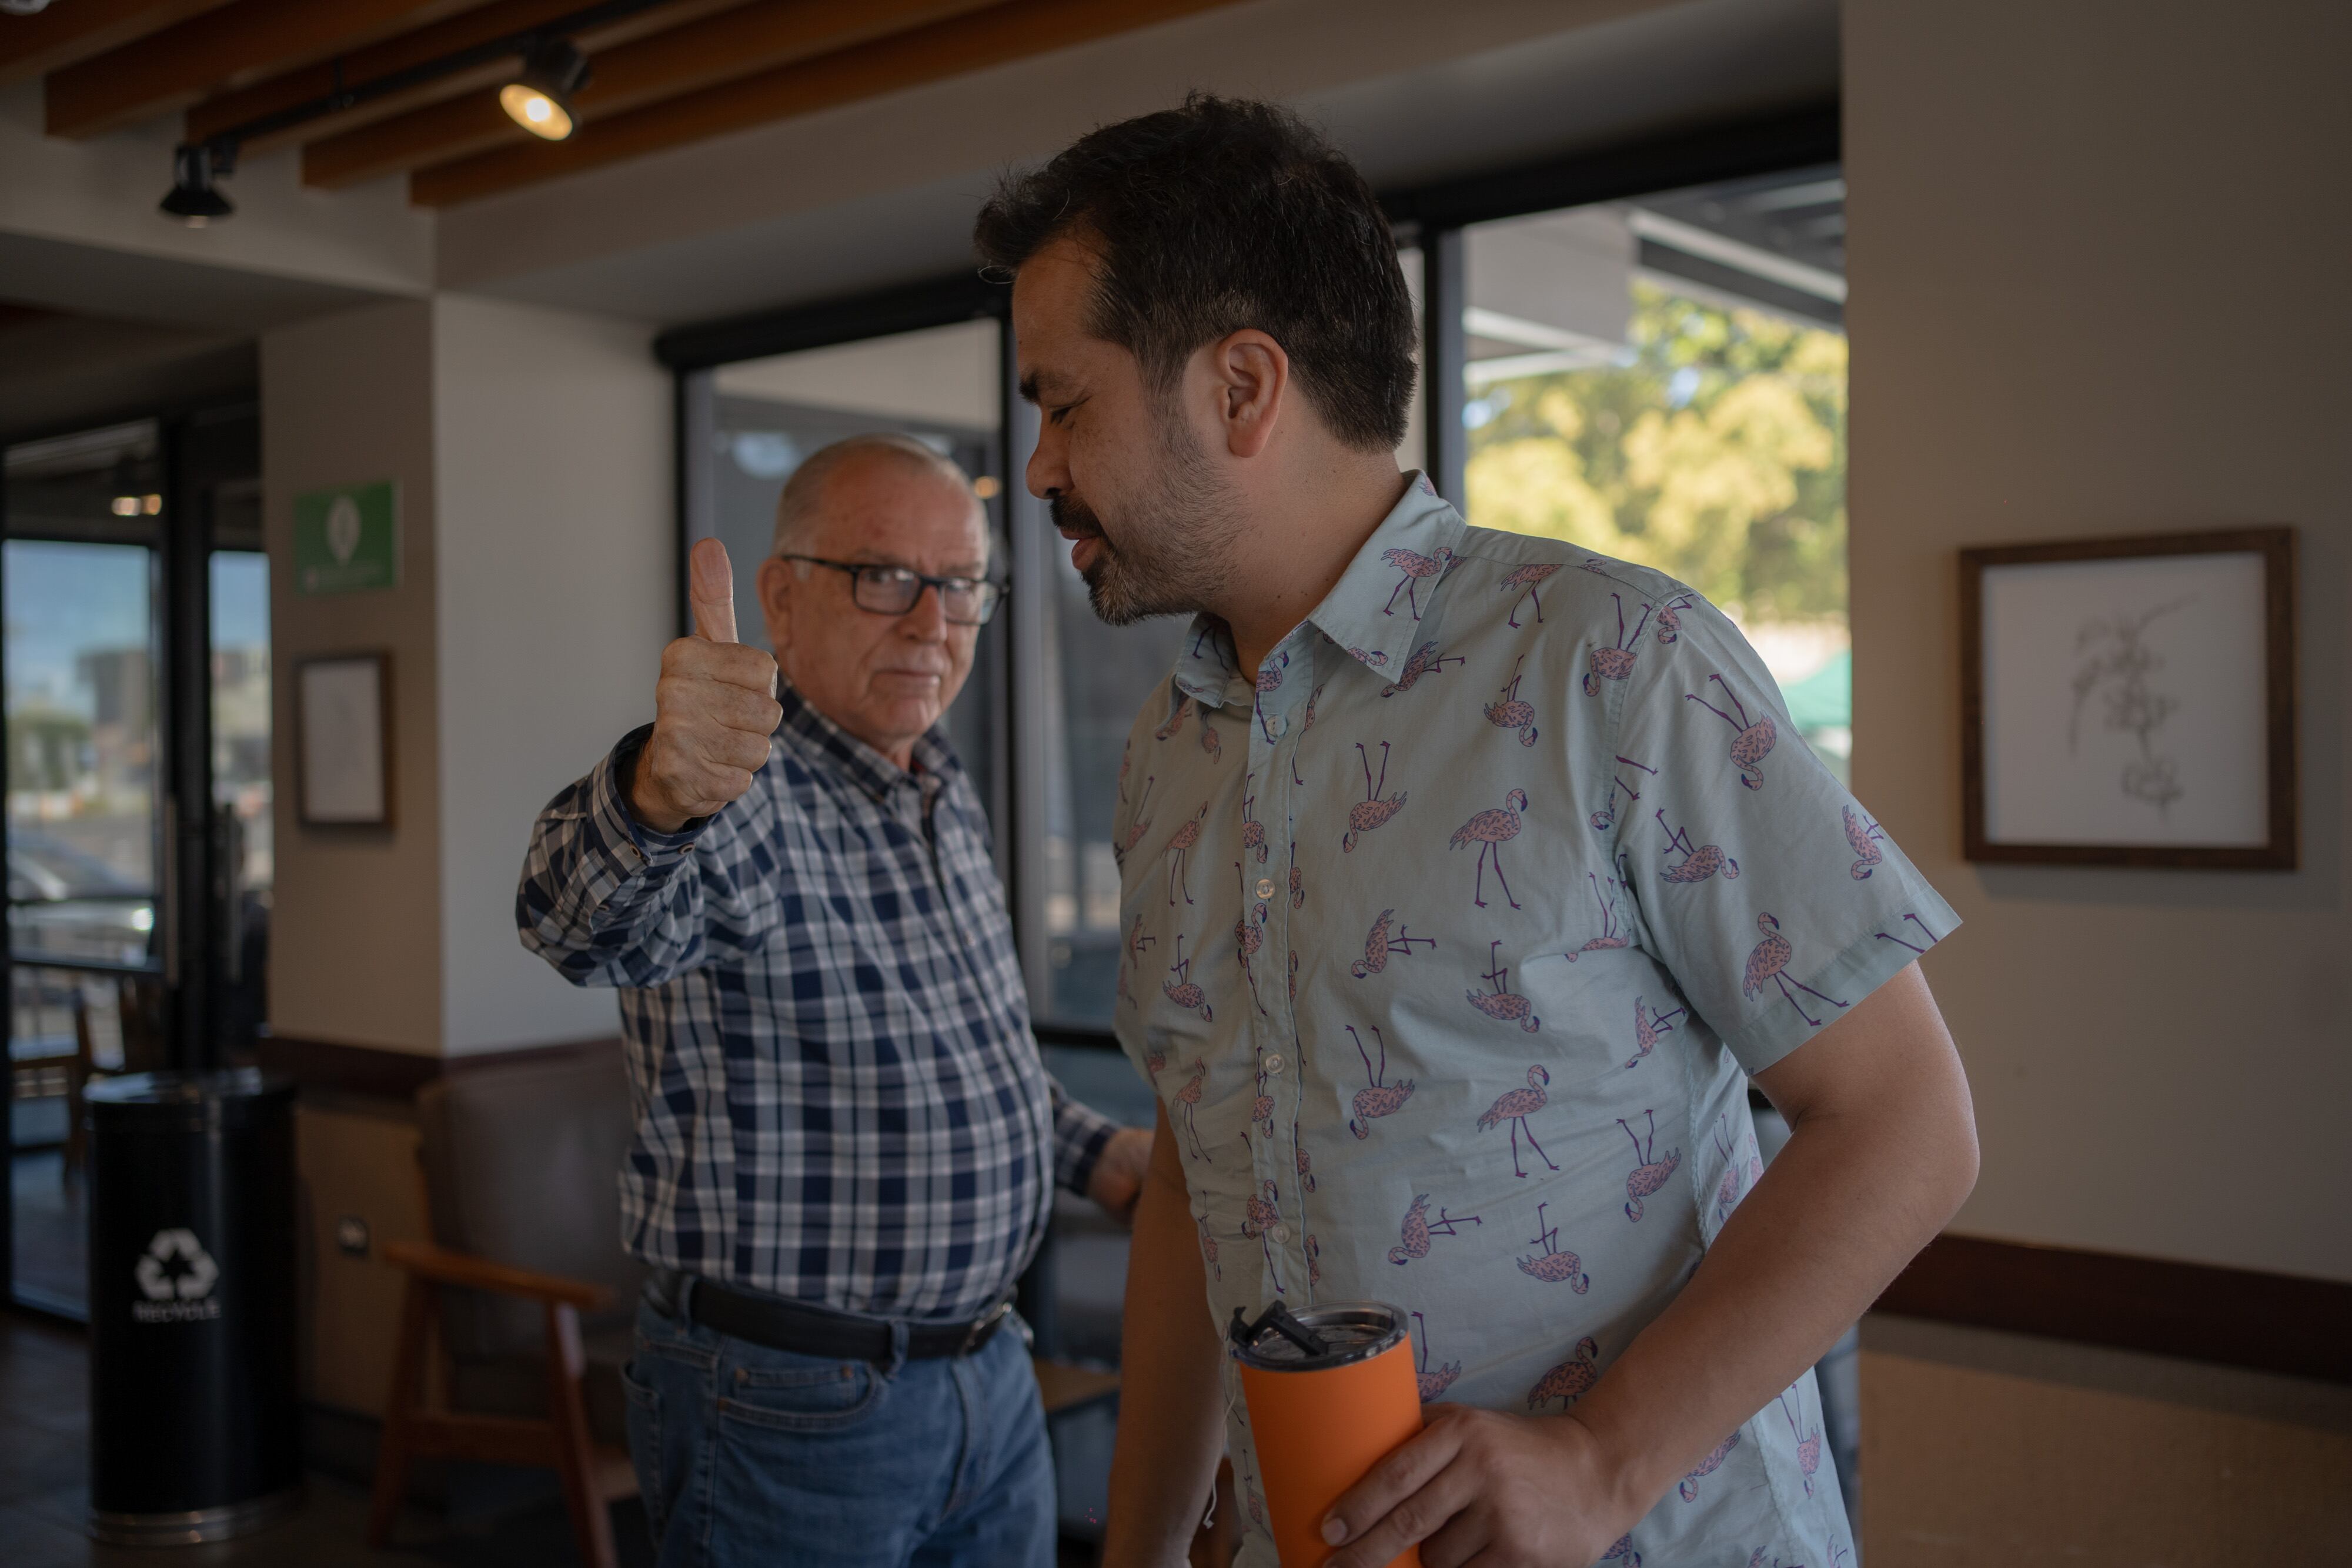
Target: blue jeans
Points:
(748, 1455)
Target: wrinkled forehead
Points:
(886, 505)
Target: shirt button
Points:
(1279, 1235)
(1277, 725)
(1266, 887)
(1274, 1062)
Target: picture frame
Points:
(2131, 701)
(342, 741)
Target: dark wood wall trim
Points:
(2235, 1317)
(373, 1070)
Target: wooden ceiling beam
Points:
(682, 59)
(63, 35)
(997, 35)
(226, 48)
(466, 31)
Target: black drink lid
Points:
(1338, 1335)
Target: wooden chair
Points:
(524, 1289)
(595, 1475)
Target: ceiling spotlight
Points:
(539, 98)
(193, 200)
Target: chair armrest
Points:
(443, 1267)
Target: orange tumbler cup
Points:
(1331, 1393)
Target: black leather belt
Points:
(804, 1328)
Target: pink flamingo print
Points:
(1553, 1266)
(1377, 945)
(1175, 725)
(1249, 935)
(1606, 817)
(1261, 1108)
(1615, 663)
(1670, 618)
(1516, 1106)
(1209, 1247)
(1863, 835)
(1809, 1445)
(1610, 938)
(1136, 943)
(1649, 1173)
(1511, 712)
(1688, 1485)
(1418, 1228)
(1649, 1026)
(1269, 674)
(1414, 569)
(1529, 578)
(1188, 1099)
(1371, 657)
(1490, 829)
(1305, 724)
(1381, 1097)
(1126, 758)
(1432, 1384)
(1154, 1059)
(1179, 846)
(1142, 825)
(1297, 879)
(1211, 742)
(1425, 660)
(1314, 1250)
(1372, 810)
(1253, 831)
(1697, 865)
(1183, 991)
(1898, 941)
(1752, 743)
(1622, 1551)
(1571, 1379)
(1501, 1004)
(1306, 1166)
(1261, 1223)
(1767, 962)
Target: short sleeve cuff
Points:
(1787, 1023)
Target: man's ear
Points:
(774, 583)
(1252, 376)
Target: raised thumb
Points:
(710, 584)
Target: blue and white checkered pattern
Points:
(838, 1096)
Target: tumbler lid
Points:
(1336, 1334)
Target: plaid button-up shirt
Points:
(838, 1097)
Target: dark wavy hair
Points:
(1222, 215)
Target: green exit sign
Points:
(347, 538)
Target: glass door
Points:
(86, 958)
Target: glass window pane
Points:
(1664, 381)
(760, 418)
(81, 694)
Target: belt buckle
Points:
(982, 1326)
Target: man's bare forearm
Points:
(1171, 1417)
(1882, 1150)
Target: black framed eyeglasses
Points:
(896, 589)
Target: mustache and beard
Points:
(1175, 553)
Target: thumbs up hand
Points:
(714, 708)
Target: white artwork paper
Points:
(342, 741)
(2124, 701)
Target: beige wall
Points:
(2097, 269)
(533, 452)
(355, 937)
(558, 539)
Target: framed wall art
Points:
(342, 741)
(2131, 701)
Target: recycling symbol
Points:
(156, 1279)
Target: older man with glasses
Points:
(847, 1142)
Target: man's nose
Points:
(1045, 475)
(926, 620)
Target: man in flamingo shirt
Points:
(1531, 886)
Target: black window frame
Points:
(1431, 216)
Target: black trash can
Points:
(193, 1424)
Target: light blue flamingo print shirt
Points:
(1450, 940)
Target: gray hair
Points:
(798, 508)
